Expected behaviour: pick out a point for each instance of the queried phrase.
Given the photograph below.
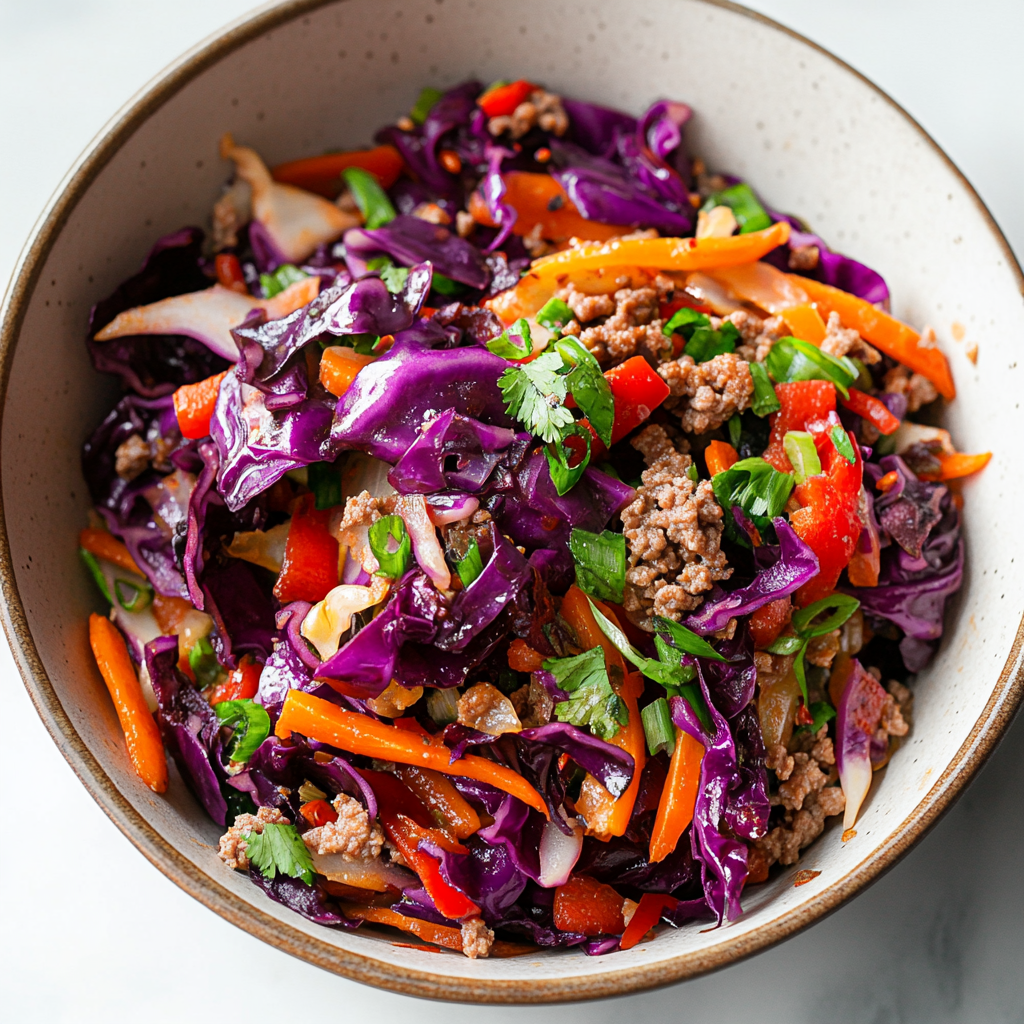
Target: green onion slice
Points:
(792, 359)
(132, 596)
(600, 563)
(765, 400)
(836, 608)
(554, 314)
(275, 283)
(740, 198)
(371, 199)
(324, 481)
(251, 725)
(658, 727)
(390, 544)
(800, 451)
(471, 564)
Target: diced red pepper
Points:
(318, 812)
(322, 174)
(242, 682)
(828, 521)
(873, 410)
(645, 917)
(768, 622)
(588, 906)
(229, 273)
(503, 99)
(310, 566)
(194, 405)
(802, 402)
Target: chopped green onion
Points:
(800, 672)
(308, 792)
(562, 476)
(515, 345)
(672, 656)
(749, 213)
(800, 451)
(735, 424)
(471, 564)
(445, 285)
(133, 597)
(275, 283)
(251, 725)
(792, 359)
(93, 565)
(658, 727)
(821, 711)
(554, 314)
(600, 563)
(364, 344)
(839, 608)
(706, 343)
(325, 482)
(668, 671)
(424, 104)
(765, 399)
(686, 640)
(443, 705)
(371, 199)
(757, 487)
(785, 645)
(841, 439)
(390, 544)
(685, 321)
(691, 472)
(203, 662)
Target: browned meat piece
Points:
(542, 108)
(131, 458)
(586, 307)
(756, 335)
(477, 938)
(822, 649)
(801, 828)
(705, 395)
(533, 703)
(632, 328)
(674, 531)
(233, 845)
(804, 257)
(840, 341)
(485, 708)
(919, 390)
(352, 835)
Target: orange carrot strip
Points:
(322, 174)
(886, 333)
(439, 934)
(805, 323)
(442, 799)
(194, 405)
(359, 734)
(960, 464)
(141, 735)
(679, 797)
(106, 546)
(575, 609)
(719, 456)
(338, 368)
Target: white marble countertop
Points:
(940, 938)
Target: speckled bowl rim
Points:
(1000, 709)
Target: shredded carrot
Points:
(719, 456)
(142, 737)
(805, 323)
(338, 368)
(888, 482)
(194, 405)
(957, 465)
(679, 797)
(439, 934)
(358, 734)
(523, 658)
(106, 546)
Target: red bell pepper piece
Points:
(194, 405)
(645, 917)
(828, 521)
(503, 99)
(872, 410)
(802, 402)
(310, 567)
(769, 621)
(406, 822)
(322, 174)
(318, 812)
(588, 906)
(242, 682)
(229, 273)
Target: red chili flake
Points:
(543, 155)
(803, 716)
(803, 877)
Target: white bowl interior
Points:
(809, 134)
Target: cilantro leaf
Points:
(589, 387)
(667, 672)
(251, 725)
(280, 848)
(592, 701)
(534, 393)
(559, 455)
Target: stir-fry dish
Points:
(517, 534)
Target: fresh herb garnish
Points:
(275, 283)
(588, 387)
(445, 285)
(534, 393)
(841, 439)
(514, 342)
(802, 454)
(394, 278)
(251, 725)
(592, 702)
(749, 213)
(658, 727)
(279, 848)
(559, 456)
(390, 544)
(757, 487)
(686, 640)
(554, 314)
(703, 342)
(324, 481)
(792, 359)
(371, 199)
(765, 400)
(735, 428)
(471, 564)
(204, 664)
(821, 712)
(424, 104)
(600, 563)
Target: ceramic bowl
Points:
(297, 78)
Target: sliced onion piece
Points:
(327, 620)
(425, 545)
(362, 874)
(559, 852)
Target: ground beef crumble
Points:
(542, 108)
(477, 938)
(533, 703)
(756, 335)
(706, 395)
(233, 845)
(917, 389)
(674, 531)
(352, 835)
(841, 341)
